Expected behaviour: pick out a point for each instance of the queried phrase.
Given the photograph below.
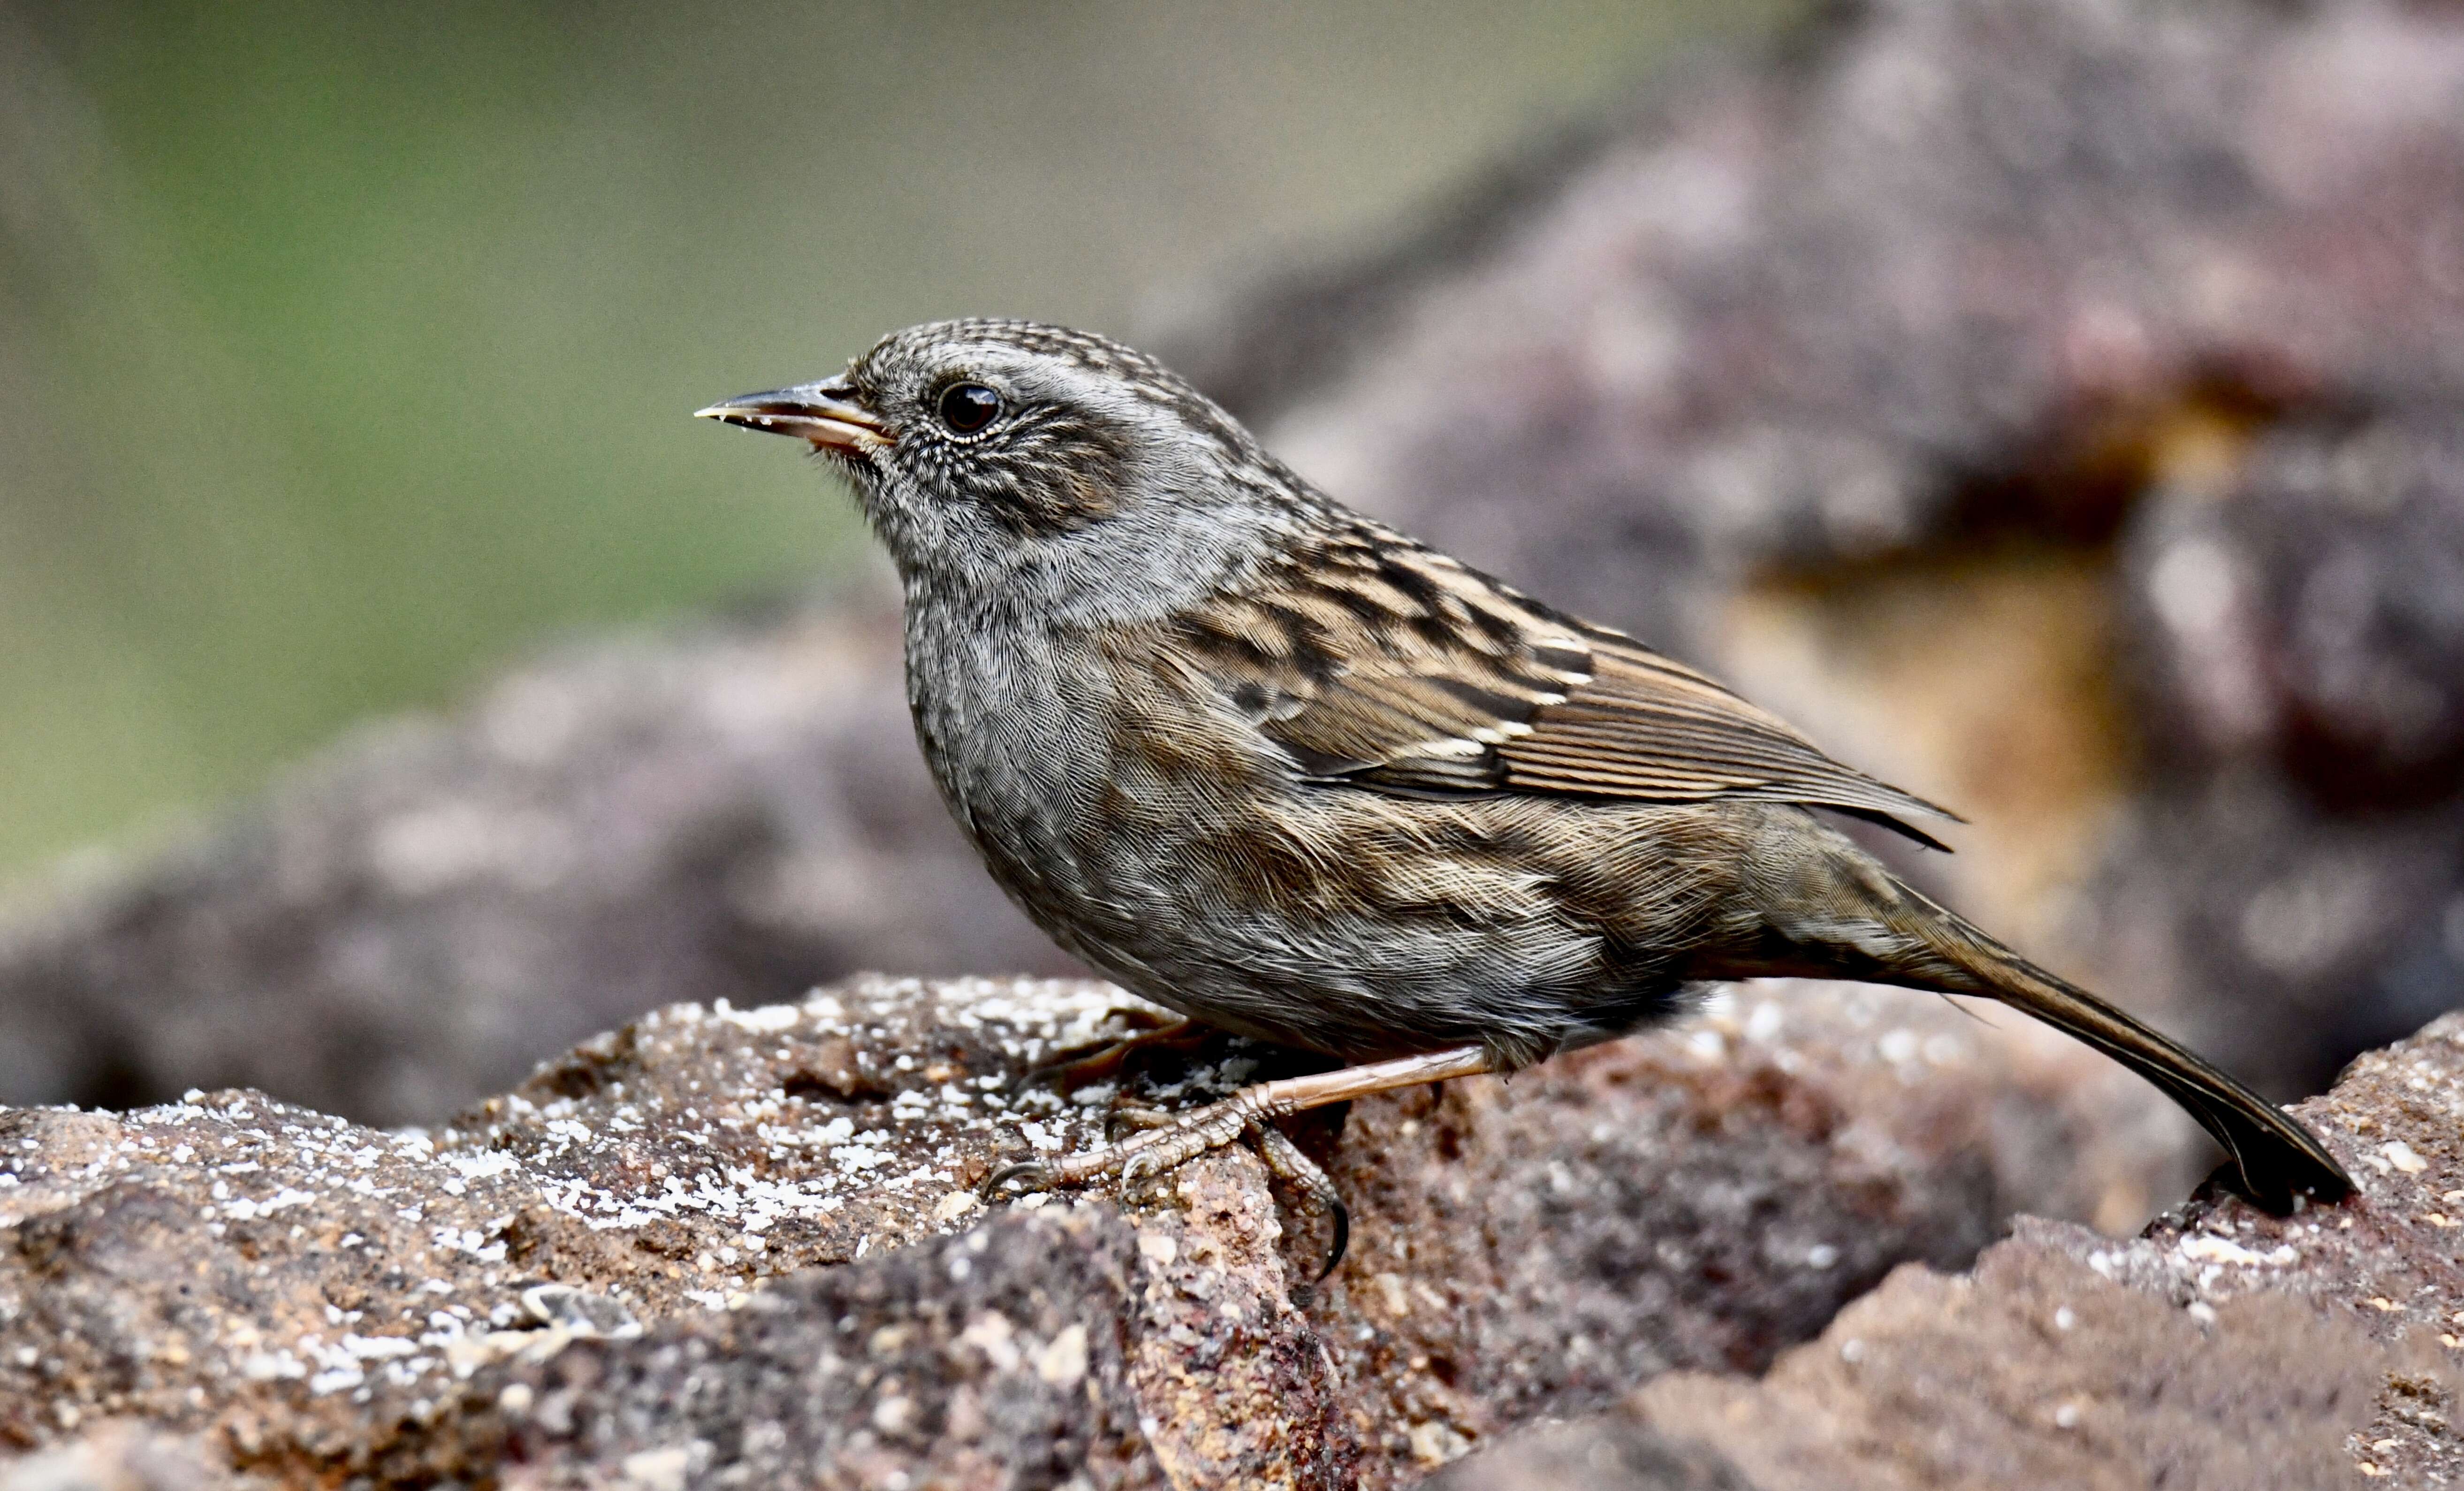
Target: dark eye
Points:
(968, 407)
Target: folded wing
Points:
(1380, 663)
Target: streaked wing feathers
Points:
(1384, 664)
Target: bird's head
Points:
(1012, 460)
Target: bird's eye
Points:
(968, 407)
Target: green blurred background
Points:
(346, 349)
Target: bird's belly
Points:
(1348, 923)
(1176, 860)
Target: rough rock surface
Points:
(721, 1243)
(2222, 1348)
(123, 1456)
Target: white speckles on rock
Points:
(2210, 1248)
(769, 1019)
(663, 1469)
(2400, 1156)
(269, 1367)
(1064, 1362)
(735, 1144)
(658, 1181)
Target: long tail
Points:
(2277, 1157)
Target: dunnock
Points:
(1275, 765)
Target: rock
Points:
(2312, 621)
(125, 1457)
(1606, 1453)
(1035, 1350)
(727, 1241)
(2305, 629)
(1949, 272)
(1526, 1248)
(2224, 1347)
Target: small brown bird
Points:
(1275, 765)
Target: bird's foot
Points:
(1154, 1150)
(1159, 1143)
(1252, 1110)
(1287, 1161)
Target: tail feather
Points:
(2277, 1157)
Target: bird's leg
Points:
(1102, 1060)
(1285, 1158)
(1219, 1124)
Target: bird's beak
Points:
(826, 413)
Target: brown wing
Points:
(1383, 664)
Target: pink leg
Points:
(1219, 1124)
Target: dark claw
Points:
(1287, 1160)
(1341, 1215)
(990, 1190)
